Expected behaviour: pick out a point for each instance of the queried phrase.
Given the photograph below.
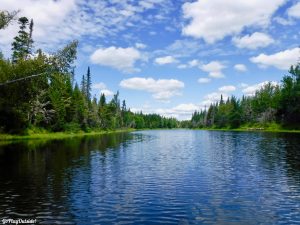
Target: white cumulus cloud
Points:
(193, 63)
(228, 88)
(189, 64)
(103, 89)
(204, 80)
(214, 69)
(294, 11)
(243, 85)
(213, 98)
(240, 67)
(181, 111)
(100, 86)
(107, 92)
(165, 60)
(161, 89)
(213, 20)
(45, 26)
(281, 60)
(119, 58)
(250, 90)
(283, 21)
(140, 45)
(182, 66)
(59, 21)
(253, 41)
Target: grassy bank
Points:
(271, 127)
(58, 135)
(45, 135)
(251, 130)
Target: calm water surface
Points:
(154, 177)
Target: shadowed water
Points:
(154, 177)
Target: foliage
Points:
(22, 45)
(272, 104)
(6, 18)
(50, 100)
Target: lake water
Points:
(154, 177)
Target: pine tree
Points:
(22, 46)
(88, 85)
(79, 106)
(123, 114)
(83, 85)
(102, 101)
(235, 114)
(221, 101)
(123, 106)
(30, 40)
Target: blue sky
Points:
(169, 57)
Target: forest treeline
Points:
(39, 91)
(272, 105)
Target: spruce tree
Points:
(88, 85)
(102, 101)
(30, 40)
(22, 46)
(83, 85)
(123, 106)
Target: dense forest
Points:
(272, 105)
(38, 90)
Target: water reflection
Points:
(35, 176)
(177, 176)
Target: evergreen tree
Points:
(22, 45)
(123, 106)
(94, 120)
(88, 85)
(221, 101)
(234, 114)
(83, 85)
(79, 107)
(102, 101)
(289, 102)
(123, 113)
(30, 40)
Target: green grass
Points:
(56, 135)
(270, 127)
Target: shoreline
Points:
(64, 135)
(58, 135)
(250, 130)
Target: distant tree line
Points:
(272, 104)
(39, 91)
